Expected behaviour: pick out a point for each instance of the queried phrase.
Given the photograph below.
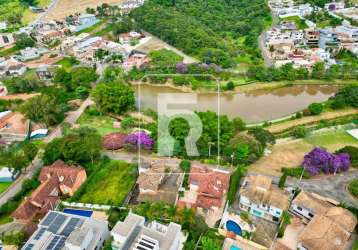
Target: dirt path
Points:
(276, 128)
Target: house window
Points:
(275, 219)
(310, 215)
(299, 208)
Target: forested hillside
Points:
(216, 31)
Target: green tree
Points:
(24, 41)
(114, 97)
(300, 132)
(318, 70)
(315, 108)
(164, 58)
(208, 243)
(43, 109)
(239, 124)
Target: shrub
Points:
(234, 183)
(295, 172)
(315, 108)
(353, 188)
(353, 154)
(230, 86)
(299, 115)
(185, 165)
(239, 124)
(282, 181)
(300, 132)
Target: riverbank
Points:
(248, 87)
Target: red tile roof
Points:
(48, 194)
(213, 184)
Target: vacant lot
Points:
(103, 124)
(109, 185)
(291, 153)
(64, 8)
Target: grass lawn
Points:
(103, 124)
(9, 51)
(332, 140)
(109, 185)
(4, 186)
(353, 188)
(300, 23)
(92, 29)
(67, 63)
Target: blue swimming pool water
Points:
(234, 248)
(232, 226)
(84, 213)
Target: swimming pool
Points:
(234, 248)
(232, 226)
(84, 213)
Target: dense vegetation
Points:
(214, 31)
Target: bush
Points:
(295, 172)
(315, 108)
(353, 188)
(300, 132)
(239, 124)
(185, 165)
(282, 181)
(299, 115)
(230, 86)
(234, 183)
(353, 154)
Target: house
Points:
(348, 36)
(13, 126)
(328, 39)
(126, 38)
(6, 39)
(59, 230)
(128, 5)
(43, 73)
(207, 192)
(136, 60)
(56, 180)
(83, 21)
(333, 6)
(329, 231)
(158, 182)
(138, 234)
(261, 198)
(17, 69)
(312, 37)
(7, 174)
(31, 53)
(306, 205)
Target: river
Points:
(254, 106)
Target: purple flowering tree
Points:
(141, 139)
(181, 68)
(319, 160)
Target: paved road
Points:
(71, 118)
(334, 186)
(262, 38)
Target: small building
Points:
(3, 25)
(43, 73)
(13, 126)
(6, 39)
(333, 6)
(84, 21)
(7, 174)
(56, 180)
(39, 133)
(330, 231)
(30, 54)
(136, 60)
(312, 37)
(138, 234)
(16, 70)
(261, 198)
(59, 230)
(328, 39)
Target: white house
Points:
(7, 174)
(6, 39)
(84, 21)
(31, 53)
(262, 199)
(135, 233)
